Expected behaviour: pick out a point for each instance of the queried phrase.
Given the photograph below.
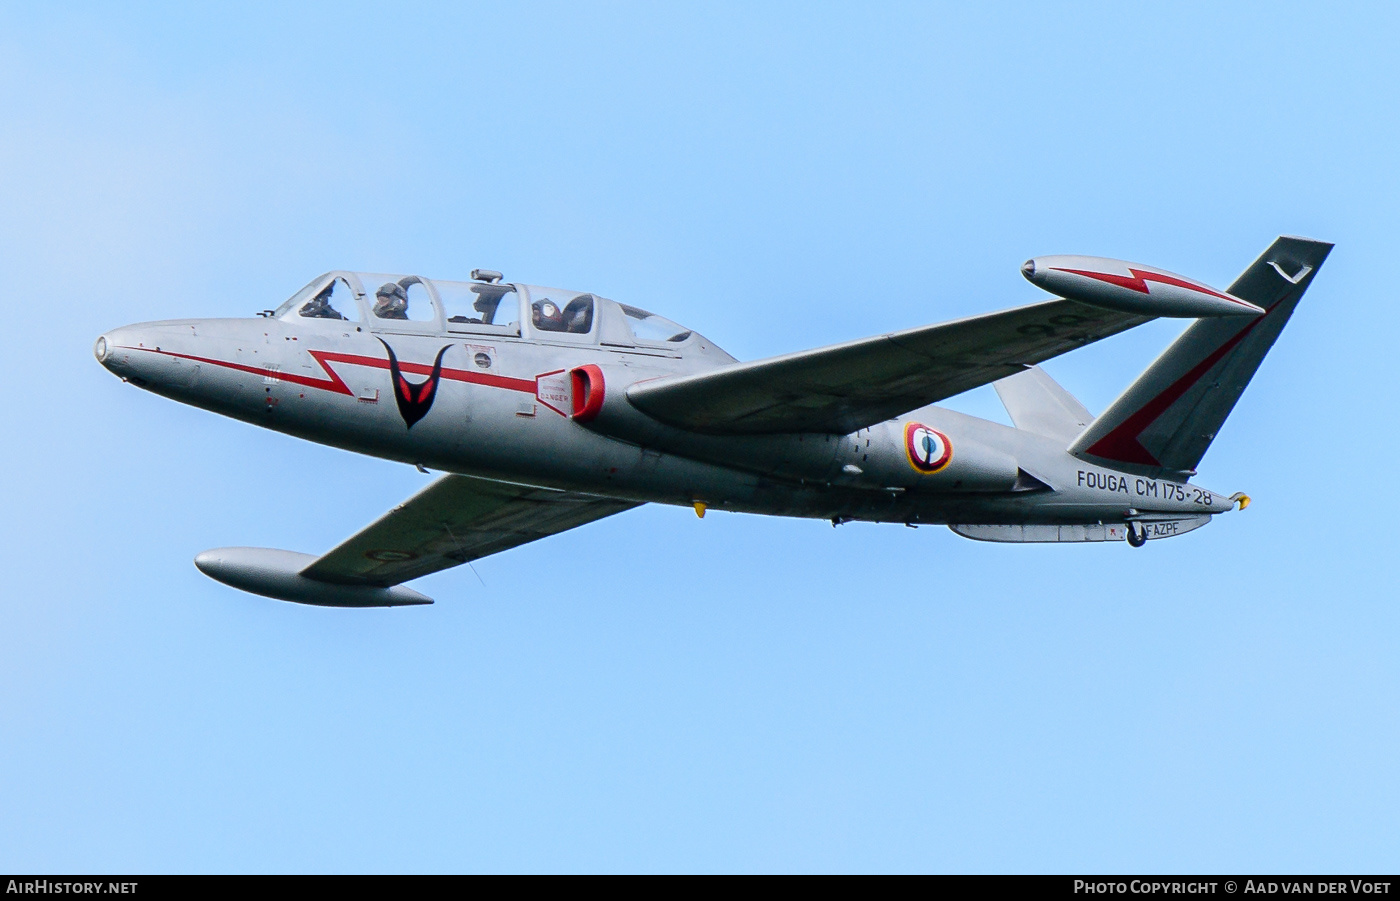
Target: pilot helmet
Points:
(547, 311)
(392, 289)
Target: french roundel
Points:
(929, 450)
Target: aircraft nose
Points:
(112, 350)
(107, 350)
(148, 355)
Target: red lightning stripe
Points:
(1139, 279)
(1123, 444)
(335, 384)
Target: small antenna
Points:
(463, 551)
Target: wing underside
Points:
(850, 386)
(453, 521)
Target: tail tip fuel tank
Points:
(1132, 288)
(277, 574)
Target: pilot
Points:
(546, 316)
(319, 307)
(578, 315)
(391, 302)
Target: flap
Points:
(455, 520)
(846, 387)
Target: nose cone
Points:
(1028, 270)
(125, 353)
(113, 349)
(158, 356)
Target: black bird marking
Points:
(414, 400)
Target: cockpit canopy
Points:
(405, 302)
(651, 327)
(410, 303)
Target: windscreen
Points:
(649, 327)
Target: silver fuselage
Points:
(502, 410)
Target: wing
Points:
(453, 521)
(849, 386)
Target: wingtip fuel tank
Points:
(278, 574)
(1132, 288)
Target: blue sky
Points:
(656, 692)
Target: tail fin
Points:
(1165, 421)
(1037, 403)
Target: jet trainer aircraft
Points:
(549, 409)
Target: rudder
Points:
(1164, 422)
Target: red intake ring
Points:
(588, 392)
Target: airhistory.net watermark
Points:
(49, 887)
